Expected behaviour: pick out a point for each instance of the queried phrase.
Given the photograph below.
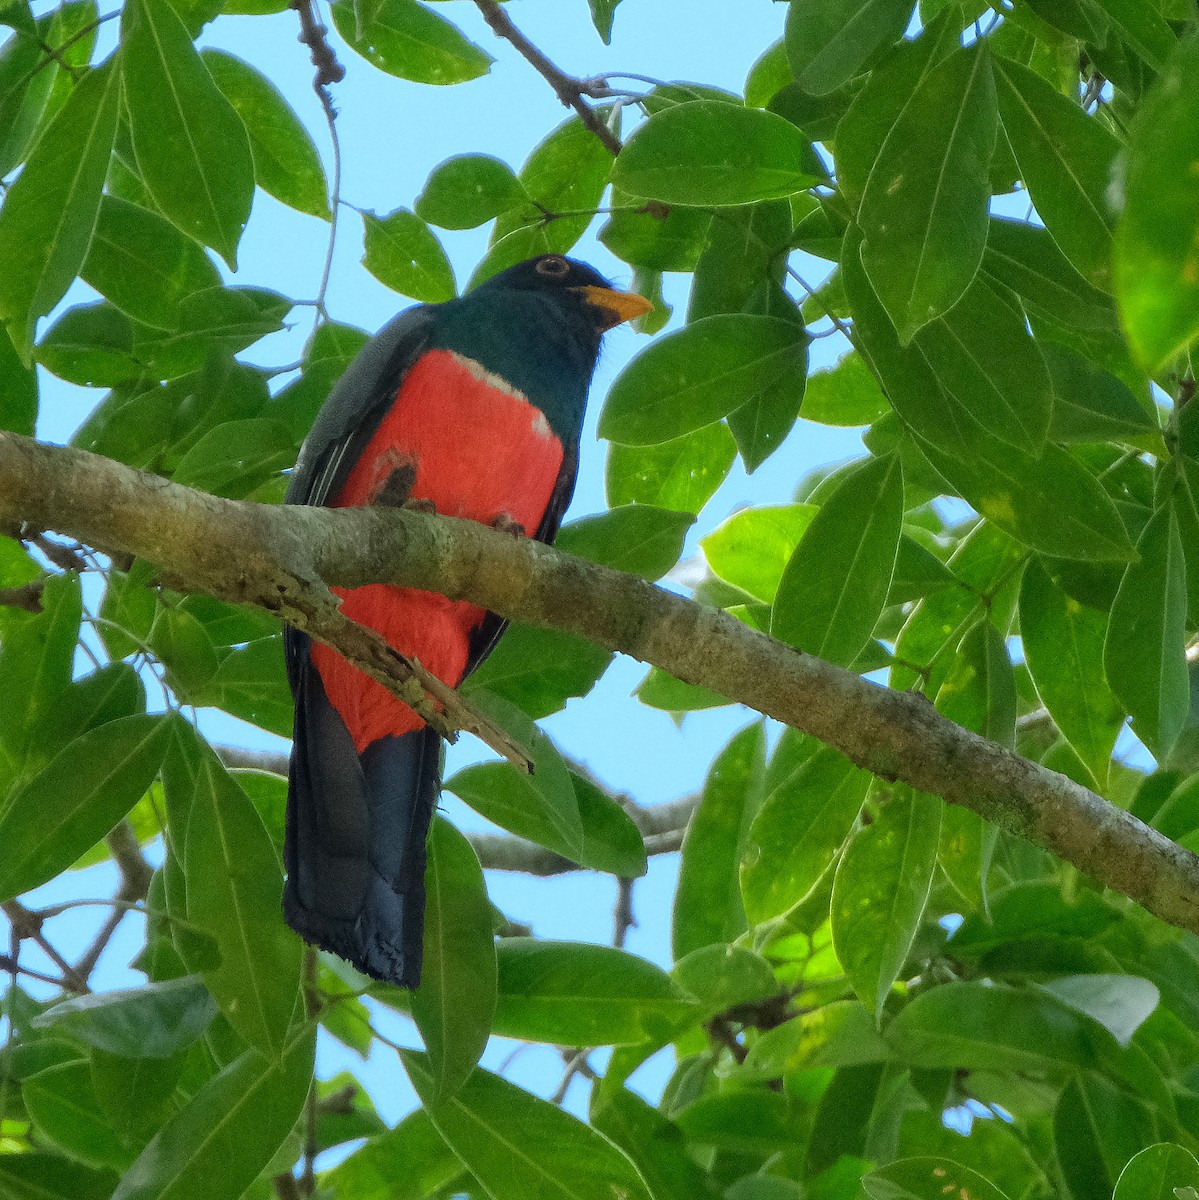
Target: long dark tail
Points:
(356, 830)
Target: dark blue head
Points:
(538, 326)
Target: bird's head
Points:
(576, 283)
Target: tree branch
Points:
(567, 88)
(277, 557)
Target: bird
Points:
(471, 408)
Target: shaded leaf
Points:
(1157, 241)
(50, 210)
(924, 208)
(286, 161)
(829, 42)
(928, 1179)
(467, 191)
(1065, 159)
(751, 549)
(403, 253)
(517, 1145)
(711, 153)
(409, 1162)
(638, 538)
(192, 150)
(1156, 1173)
(880, 891)
(1063, 647)
(1144, 655)
(71, 804)
(204, 1149)
(408, 39)
(696, 375)
(573, 994)
(234, 888)
(155, 1021)
(454, 1004)
(836, 583)
(707, 904)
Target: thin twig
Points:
(623, 917)
(28, 924)
(567, 88)
(136, 874)
(28, 596)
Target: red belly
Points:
(479, 452)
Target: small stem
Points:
(568, 89)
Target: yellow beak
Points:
(616, 307)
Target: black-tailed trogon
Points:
(472, 408)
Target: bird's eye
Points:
(555, 266)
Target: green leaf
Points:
(665, 692)
(408, 39)
(518, 1146)
(1144, 28)
(216, 319)
(655, 1144)
(983, 357)
(760, 425)
(538, 670)
(192, 150)
(403, 253)
(35, 664)
(880, 891)
(979, 689)
(1120, 1003)
(50, 210)
(236, 457)
(611, 841)
(286, 161)
(222, 1139)
(1144, 655)
(602, 12)
(890, 88)
(653, 236)
(637, 538)
(836, 583)
(1157, 240)
(1103, 1126)
(40, 1176)
(155, 1021)
(1157, 1172)
(467, 191)
(1089, 403)
(712, 153)
(928, 1179)
(798, 833)
(680, 475)
(696, 375)
(1050, 502)
(18, 391)
(924, 209)
(71, 804)
(830, 41)
(721, 976)
(541, 806)
(409, 1162)
(250, 682)
(1185, 501)
(752, 548)
(841, 1034)
(707, 904)
(573, 994)
(566, 173)
(1066, 160)
(64, 1107)
(741, 267)
(234, 889)
(91, 344)
(454, 1004)
(990, 1027)
(847, 394)
(1063, 647)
